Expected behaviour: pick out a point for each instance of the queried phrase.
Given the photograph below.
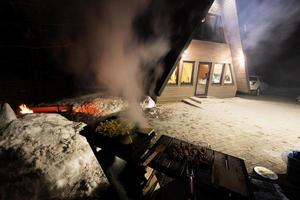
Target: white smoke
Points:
(116, 57)
(268, 21)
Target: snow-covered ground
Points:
(257, 129)
(43, 156)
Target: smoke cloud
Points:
(112, 52)
(266, 25)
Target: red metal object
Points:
(51, 109)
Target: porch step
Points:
(191, 103)
(196, 99)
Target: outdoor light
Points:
(185, 52)
(241, 59)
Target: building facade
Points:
(213, 64)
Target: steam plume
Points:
(266, 25)
(114, 55)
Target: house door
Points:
(202, 78)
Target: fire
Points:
(24, 109)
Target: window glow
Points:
(217, 73)
(187, 72)
(228, 75)
(203, 74)
(174, 77)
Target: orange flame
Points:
(24, 109)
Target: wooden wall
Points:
(211, 52)
(176, 93)
(208, 52)
(201, 51)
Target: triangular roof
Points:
(183, 17)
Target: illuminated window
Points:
(228, 75)
(203, 72)
(174, 77)
(217, 73)
(187, 72)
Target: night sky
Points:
(49, 49)
(31, 38)
(270, 32)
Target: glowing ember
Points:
(91, 107)
(100, 106)
(24, 109)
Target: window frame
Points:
(230, 69)
(192, 74)
(222, 74)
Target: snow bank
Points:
(6, 115)
(52, 149)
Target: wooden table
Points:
(226, 175)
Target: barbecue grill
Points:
(125, 165)
(121, 161)
(222, 177)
